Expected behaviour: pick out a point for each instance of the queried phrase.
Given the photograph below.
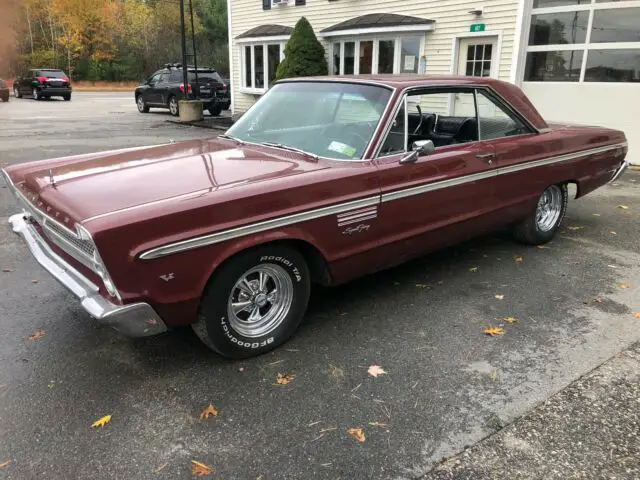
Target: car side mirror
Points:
(418, 148)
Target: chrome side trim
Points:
(358, 220)
(136, 319)
(251, 229)
(559, 159)
(430, 187)
(349, 207)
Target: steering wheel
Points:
(421, 121)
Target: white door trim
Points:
(455, 49)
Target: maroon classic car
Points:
(322, 180)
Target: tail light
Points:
(182, 88)
(42, 80)
(224, 87)
(66, 79)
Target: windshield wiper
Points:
(229, 137)
(292, 149)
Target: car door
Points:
(516, 145)
(162, 89)
(443, 196)
(152, 95)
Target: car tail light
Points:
(42, 79)
(182, 88)
(224, 87)
(66, 79)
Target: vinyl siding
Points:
(451, 17)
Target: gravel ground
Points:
(589, 430)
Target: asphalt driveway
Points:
(447, 385)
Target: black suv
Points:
(165, 87)
(43, 83)
(4, 91)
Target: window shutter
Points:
(300, 2)
(266, 4)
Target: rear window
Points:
(208, 75)
(51, 73)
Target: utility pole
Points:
(196, 92)
(185, 67)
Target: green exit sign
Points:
(476, 27)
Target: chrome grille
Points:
(63, 234)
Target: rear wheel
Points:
(67, 97)
(16, 92)
(173, 106)
(254, 302)
(543, 223)
(215, 110)
(142, 105)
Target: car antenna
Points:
(51, 178)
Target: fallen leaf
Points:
(200, 469)
(510, 320)
(598, 299)
(575, 228)
(623, 207)
(519, 259)
(241, 369)
(624, 285)
(4, 464)
(285, 378)
(375, 370)
(541, 247)
(37, 335)
(7, 269)
(494, 375)
(613, 233)
(357, 433)
(473, 269)
(34, 281)
(378, 424)
(209, 411)
(101, 422)
(500, 297)
(636, 314)
(493, 331)
(421, 285)
(596, 214)
(612, 266)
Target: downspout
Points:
(231, 73)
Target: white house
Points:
(577, 60)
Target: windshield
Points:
(328, 119)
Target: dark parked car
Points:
(4, 91)
(166, 87)
(43, 83)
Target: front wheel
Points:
(254, 302)
(543, 223)
(142, 105)
(16, 92)
(35, 94)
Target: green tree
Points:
(304, 54)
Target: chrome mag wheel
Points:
(260, 300)
(549, 208)
(173, 106)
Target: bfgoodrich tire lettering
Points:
(254, 302)
(543, 223)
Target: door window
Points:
(432, 115)
(494, 121)
(155, 79)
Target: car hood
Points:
(82, 187)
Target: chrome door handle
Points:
(487, 157)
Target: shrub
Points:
(304, 54)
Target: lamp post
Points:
(185, 72)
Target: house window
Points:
(583, 41)
(399, 55)
(259, 65)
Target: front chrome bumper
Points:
(134, 320)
